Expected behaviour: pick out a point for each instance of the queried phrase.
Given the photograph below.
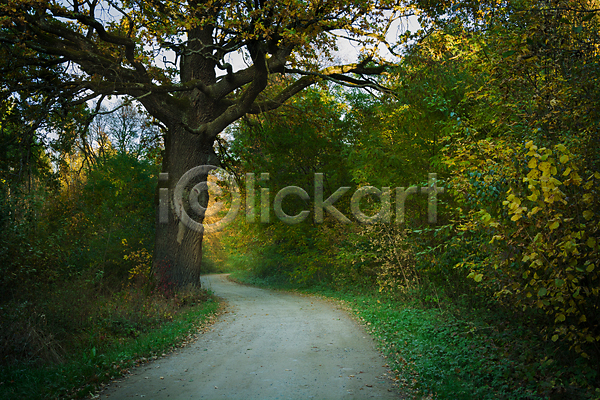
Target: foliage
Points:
(121, 334)
(524, 175)
(451, 348)
(376, 255)
(500, 99)
(544, 252)
(454, 353)
(78, 301)
(288, 146)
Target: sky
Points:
(349, 51)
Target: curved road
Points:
(269, 345)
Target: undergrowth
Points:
(83, 340)
(444, 348)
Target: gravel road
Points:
(269, 345)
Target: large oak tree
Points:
(174, 57)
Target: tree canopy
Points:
(173, 55)
(174, 58)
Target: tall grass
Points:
(86, 338)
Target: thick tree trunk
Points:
(178, 246)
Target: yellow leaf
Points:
(478, 277)
(591, 242)
(554, 338)
(561, 147)
(587, 214)
(495, 237)
(567, 171)
(486, 217)
(590, 268)
(533, 197)
(554, 225)
(564, 158)
(544, 166)
(532, 163)
(560, 318)
(533, 174)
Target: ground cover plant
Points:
(498, 100)
(441, 348)
(79, 300)
(106, 347)
(489, 288)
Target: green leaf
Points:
(590, 268)
(589, 16)
(542, 292)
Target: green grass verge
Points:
(462, 357)
(458, 354)
(82, 374)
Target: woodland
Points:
(106, 104)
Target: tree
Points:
(521, 149)
(173, 56)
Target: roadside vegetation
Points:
(492, 293)
(79, 302)
(500, 296)
(456, 348)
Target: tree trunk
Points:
(178, 246)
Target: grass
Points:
(449, 350)
(83, 371)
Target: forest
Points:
(494, 293)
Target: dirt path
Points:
(270, 345)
